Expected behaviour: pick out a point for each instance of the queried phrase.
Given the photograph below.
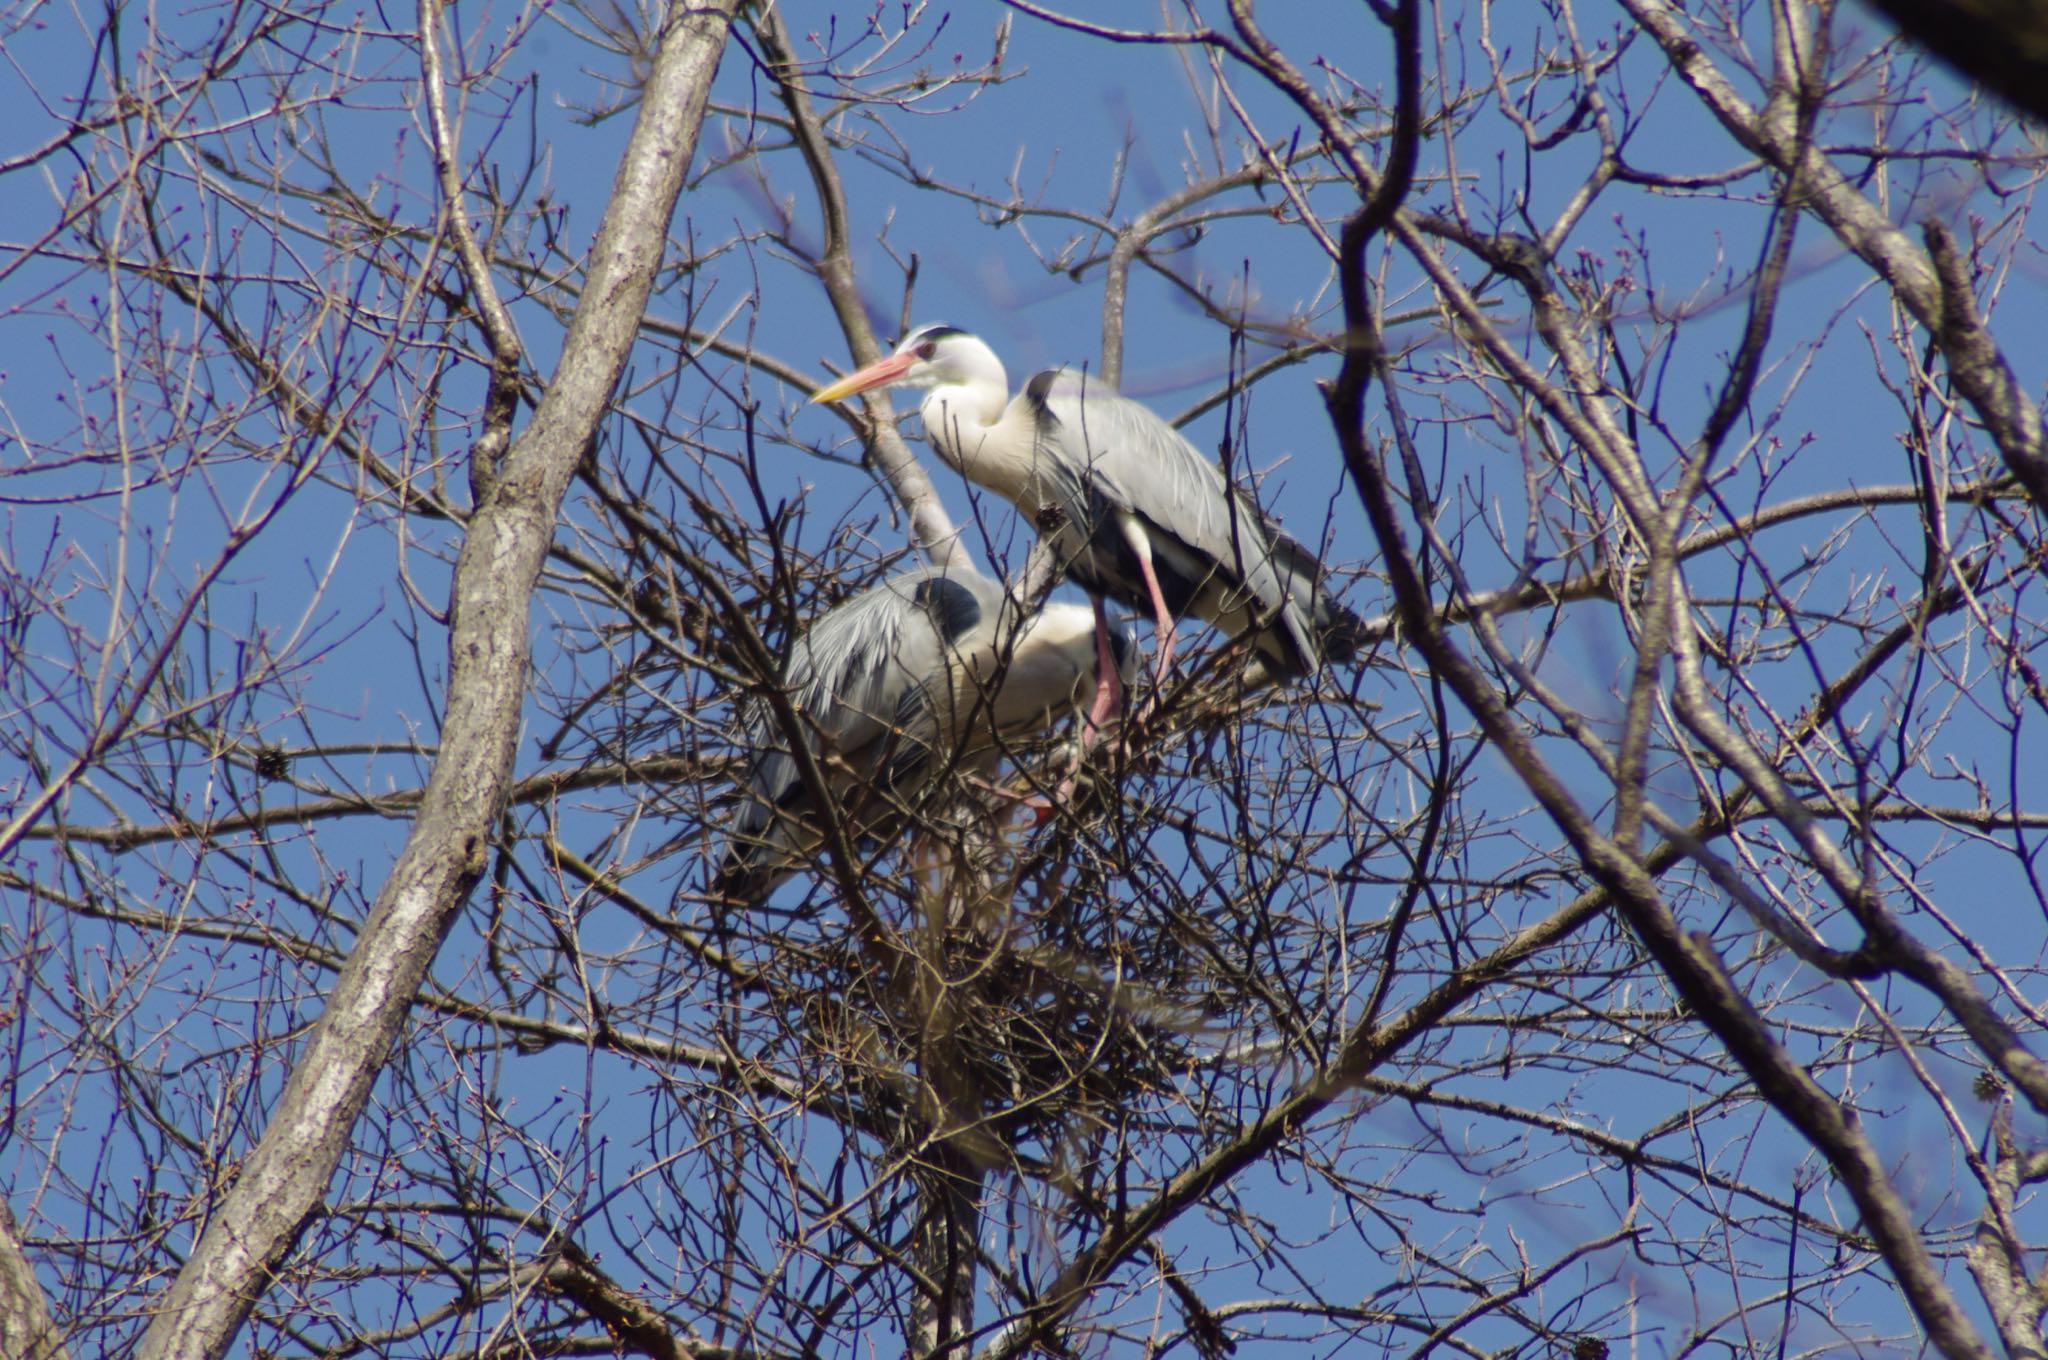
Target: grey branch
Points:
(285, 1179)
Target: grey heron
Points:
(903, 681)
(1132, 509)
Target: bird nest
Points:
(995, 1040)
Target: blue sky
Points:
(345, 592)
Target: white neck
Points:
(961, 408)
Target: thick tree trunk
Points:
(281, 1187)
(26, 1329)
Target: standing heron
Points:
(895, 686)
(1133, 510)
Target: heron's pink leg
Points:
(1109, 683)
(1109, 701)
(1162, 617)
(1162, 620)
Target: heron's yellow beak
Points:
(861, 379)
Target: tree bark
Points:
(281, 1188)
(26, 1329)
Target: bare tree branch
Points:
(282, 1183)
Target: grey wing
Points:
(861, 668)
(962, 610)
(860, 680)
(1112, 455)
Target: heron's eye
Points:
(927, 350)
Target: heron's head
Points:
(930, 356)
